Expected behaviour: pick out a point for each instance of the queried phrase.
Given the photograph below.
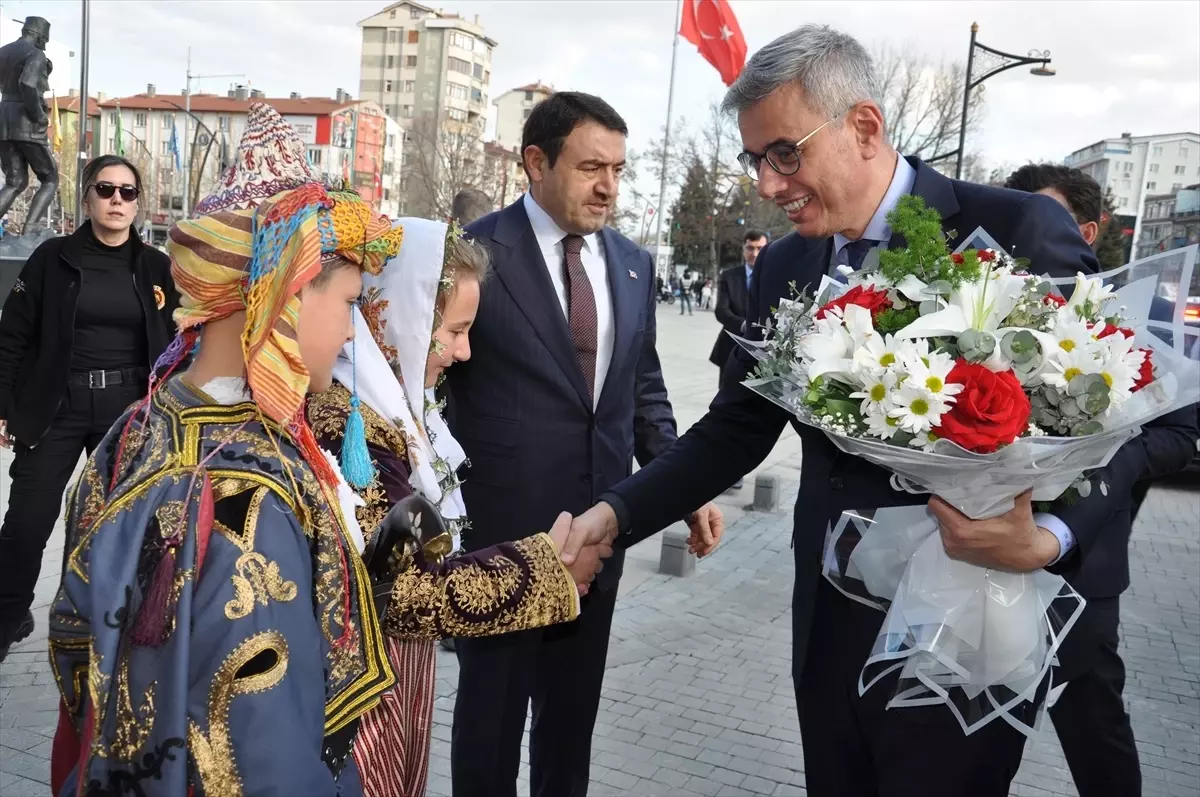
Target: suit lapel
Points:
(525, 274)
(624, 291)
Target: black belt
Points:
(98, 380)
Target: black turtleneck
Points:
(110, 327)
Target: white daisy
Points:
(880, 424)
(931, 371)
(1120, 371)
(877, 390)
(1070, 333)
(1066, 365)
(879, 351)
(924, 441)
(917, 410)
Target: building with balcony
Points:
(345, 139)
(1137, 168)
(512, 109)
(1170, 221)
(430, 70)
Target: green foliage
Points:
(892, 320)
(925, 254)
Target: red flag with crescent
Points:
(712, 27)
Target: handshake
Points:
(584, 542)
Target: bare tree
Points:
(922, 102)
(444, 157)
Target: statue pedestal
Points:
(14, 251)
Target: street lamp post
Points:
(187, 167)
(81, 150)
(999, 62)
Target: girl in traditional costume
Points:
(216, 631)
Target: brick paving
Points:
(698, 696)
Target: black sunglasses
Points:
(105, 191)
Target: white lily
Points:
(981, 304)
(1089, 292)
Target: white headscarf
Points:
(403, 298)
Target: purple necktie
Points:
(581, 310)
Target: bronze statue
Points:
(24, 119)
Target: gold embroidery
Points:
(328, 411)
(213, 753)
(530, 590)
(172, 517)
(230, 486)
(97, 691)
(256, 581)
(134, 726)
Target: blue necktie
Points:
(856, 252)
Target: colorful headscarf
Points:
(256, 256)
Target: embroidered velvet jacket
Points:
(509, 587)
(211, 648)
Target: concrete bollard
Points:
(676, 559)
(766, 493)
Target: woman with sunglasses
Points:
(80, 330)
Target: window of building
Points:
(456, 91)
(391, 140)
(387, 87)
(414, 13)
(112, 117)
(476, 95)
(1124, 201)
(389, 109)
(1175, 187)
(391, 62)
(410, 61)
(413, 36)
(314, 157)
(1183, 151)
(112, 145)
(393, 36)
(139, 120)
(1154, 168)
(529, 96)
(1157, 151)
(1125, 185)
(487, 76)
(456, 114)
(222, 122)
(392, 14)
(526, 116)
(1128, 166)
(168, 120)
(1180, 169)
(165, 148)
(1151, 186)
(406, 111)
(410, 86)
(458, 65)
(478, 72)
(462, 40)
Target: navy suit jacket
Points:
(520, 406)
(741, 428)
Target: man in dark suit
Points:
(563, 390)
(1089, 715)
(815, 140)
(733, 295)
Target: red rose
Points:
(1109, 329)
(957, 259)
(986, 255)
(875, 301)
(989, 412)
(1054, 299)
(1145, 373)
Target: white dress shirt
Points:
(549, 238)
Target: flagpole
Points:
(81, 153)
(662, 184)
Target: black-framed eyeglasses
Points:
(129, 193)
(784, 158)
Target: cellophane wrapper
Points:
(979, 641)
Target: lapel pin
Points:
(632, 274)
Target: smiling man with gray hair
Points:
(815, 140)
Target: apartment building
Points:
(512, 109)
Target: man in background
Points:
(1089, 715)
(470, 204)
(685, 291)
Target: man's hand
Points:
(596, 526)
(588, 558)
(1011, 541)
(4, 441)
(707, 524)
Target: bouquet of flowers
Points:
(968, 377)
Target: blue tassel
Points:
(356, 459)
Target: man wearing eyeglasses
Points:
(816, 141)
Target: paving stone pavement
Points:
(698, 695)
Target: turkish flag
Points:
(712, 27)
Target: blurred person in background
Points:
(470, 204)
(80, 330)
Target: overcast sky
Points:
(1122, 66)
